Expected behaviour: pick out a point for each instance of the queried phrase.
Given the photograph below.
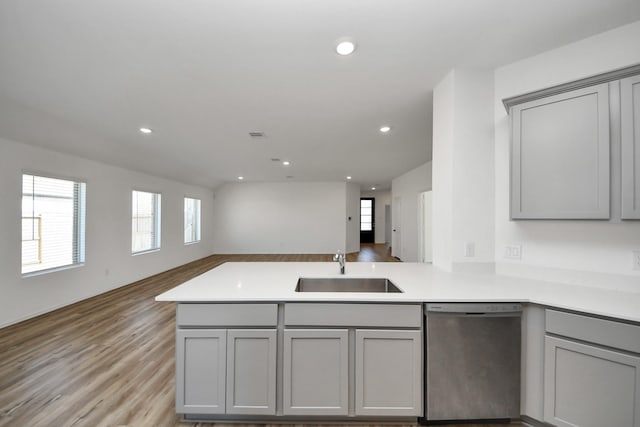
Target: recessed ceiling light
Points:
(385, 129)
(345, 48)
(241, 178)
(286, 163)
(145, 130)
(348, 177)
(373, 188)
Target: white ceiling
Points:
(81, 76)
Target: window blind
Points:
(145, 226)
(53, 215)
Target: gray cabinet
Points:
(200, 371)
(316, 372)
(588, 386)
(364, 366)
(251, 371)
(532, 362)
(388, 372)
(222, 365)
(592, 372)
(222, 371)
(560, 156)
(630, 149)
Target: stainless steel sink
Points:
(347, 284)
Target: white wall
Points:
(109, 263)
(382, 198)
(353, 212)
(563, 250)
(408, 187)
(463, 177)
(284, 218)
(443, 126)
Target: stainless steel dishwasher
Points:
(472, 362)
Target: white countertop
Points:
(276, 281)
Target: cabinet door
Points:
(630, 136)
(560, 156)
(388, 372)
(588, 386)
(251, 371)
(200, 371)
(316, 377)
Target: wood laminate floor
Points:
(109, 360)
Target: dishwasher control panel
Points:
(474, 308)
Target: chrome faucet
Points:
(339, 257)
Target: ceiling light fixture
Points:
(145, 130)
(345, 48)
(286, 163)
(385, 129)
(348, 177)
(373, 188)
(241, 178)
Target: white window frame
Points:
(196, 235)
(78, 228)
(157, 224)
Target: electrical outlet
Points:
(513, 252)
(636, 260)
(469, 249)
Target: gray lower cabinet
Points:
(316, 372)
(591, 371)
(251, 371)
(588, 386)
(560, 156)
(226, 371)
(532, 362)
(630, 149)
(388, 371)
(201, 356)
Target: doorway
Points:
(367, 220)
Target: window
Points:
(366, 214)
(191, 220)
(53, 215)
(145, 221)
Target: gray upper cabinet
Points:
(630, 138)
(560, 156)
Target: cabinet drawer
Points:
(598, 331)
(355, 315)
(227, 315)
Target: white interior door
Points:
(425, 227)
(387, 226)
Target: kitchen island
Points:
(251, 348)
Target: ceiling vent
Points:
(257, 135)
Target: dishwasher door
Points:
(472, 361)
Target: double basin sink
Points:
(347, 284)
